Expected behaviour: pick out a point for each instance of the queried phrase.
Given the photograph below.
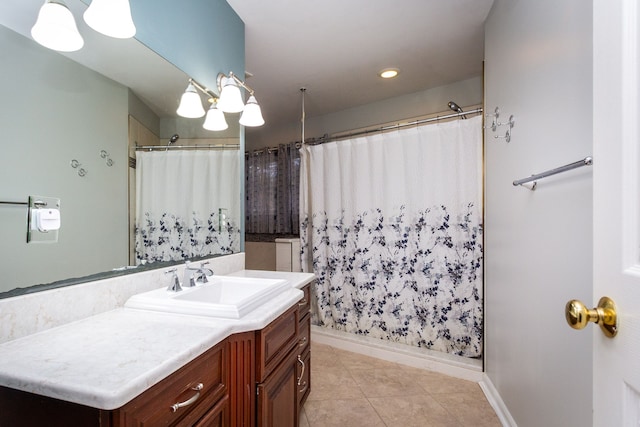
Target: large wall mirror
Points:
(69, 124)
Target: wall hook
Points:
(105, 155)
(507, 135)
(77, 165)
(494, 122)
(510, 123)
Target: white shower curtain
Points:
(391, 224)
(187, 204)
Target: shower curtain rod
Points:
(335, 137)
(188, 147)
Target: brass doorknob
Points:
(578, 315)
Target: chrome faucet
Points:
(194, 275)
(174, 286)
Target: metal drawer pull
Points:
(303, 342)
(302, 303)
(301, 373)
(197, 388)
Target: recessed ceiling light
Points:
(389, 73)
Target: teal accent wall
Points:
(201, 37)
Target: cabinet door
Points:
(278, 396)
(218, 416)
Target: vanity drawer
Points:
(274, 342)
(304, 304)
(304, 333)
(184, 397)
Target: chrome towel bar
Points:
(587, 161)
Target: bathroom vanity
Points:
(130, 367)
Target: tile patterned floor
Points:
(351, 390)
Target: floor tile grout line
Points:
(378, 413)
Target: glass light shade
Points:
(252, 115)
(111, 18)
(215, 119)
(230, 97)
(190, 104)
(56, 28)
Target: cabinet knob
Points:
(303, 342)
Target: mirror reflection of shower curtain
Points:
(179, 197)
(391, 224)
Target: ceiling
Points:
(335, 49)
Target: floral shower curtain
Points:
(183, 207)
(391, 224)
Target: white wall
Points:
(430, 101)
(538, 244)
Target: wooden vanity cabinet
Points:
(253, 378)
(283, 363)
(206, 405)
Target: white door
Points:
(616, 165)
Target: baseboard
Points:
(454, 366)
(496, 402)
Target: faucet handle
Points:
(204, 272)
(174, 286)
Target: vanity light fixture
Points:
(56, 28)
(229, 101)
(389, 73)
(111, 18)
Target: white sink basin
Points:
(224, 296)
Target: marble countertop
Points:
(104, 361)
(297, 280)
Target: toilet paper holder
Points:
(43, 219)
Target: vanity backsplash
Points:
(30, 313)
